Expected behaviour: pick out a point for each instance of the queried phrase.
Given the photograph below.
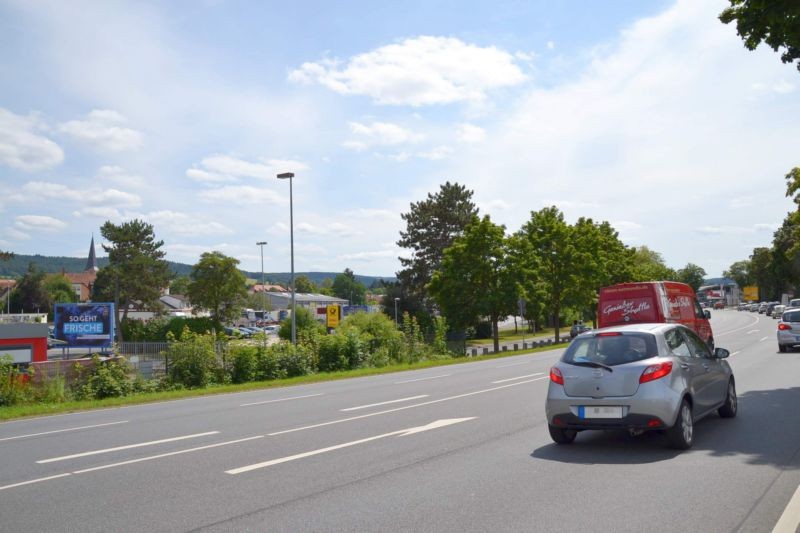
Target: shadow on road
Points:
(766, 430)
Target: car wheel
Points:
(782, 348)
(728, 409)
(681, 435)
(562, 436)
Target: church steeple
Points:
(91, 263)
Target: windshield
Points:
(611, 350)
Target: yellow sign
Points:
(333, 316)
(750, 294)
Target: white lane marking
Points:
(321, 424)
(159, 456)
(33, 481)
(401, 433)
(422, 379)
(126, 447)
(63, 430)
(739, 329)
(789, 522)
(281, 400)
(734, 353)
(513, 364)
(763, 339)
(518, 377)
(384, 403)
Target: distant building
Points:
(83, 282)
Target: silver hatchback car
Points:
(639, 377)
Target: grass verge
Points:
(31, 410)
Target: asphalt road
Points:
(460, 448)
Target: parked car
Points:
(577, 329)
(777, 311)
(762, 308)
(653, 301)
(640, 377)
(719, 304)
(753, 307)
(789, 329)
(794, 302)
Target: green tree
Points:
(218, 286)
(550, 241)
(431, 227)
(29, 294)
(763, 273)
(775, 22)
(648, 265)
(59, 290)
(304, 322)
(477, 278)
(136, 271)
(740, 273)
(346, 286)
(304, 285)
(692, 275)
(180, 285)
(6, 256)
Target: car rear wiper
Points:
(592, 364)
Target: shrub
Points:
(14, 386)
(303, 321)
(293, 360)
(103, 379)
(157, 329)
(331, 356)
(244, 364)
(192, 361)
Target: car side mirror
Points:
(721, 353)
(707, 313)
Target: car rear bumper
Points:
(632, 421)
(786, 338)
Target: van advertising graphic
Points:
(85, 325)
(627, 308)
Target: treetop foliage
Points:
(775, 22)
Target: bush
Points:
(14, 385)
(157, 329)
(293, 360)
(244, 364)
(103, 379)
(331, 356)
(303, 321)
(192, 361)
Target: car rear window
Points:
(791, 316)
(611, 350)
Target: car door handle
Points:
(684, 366)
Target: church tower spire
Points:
(91, 263)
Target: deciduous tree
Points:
(692, 275)
(775, 22)
(346, 286)
(476, 278)
(218, 286)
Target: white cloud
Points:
(470, 133)
(103, 128)
(242, 195)
(492, 205)
(551, 45)
(368, 256)
(185, 224)
(783, 87)
(22, 147)
(88, 196)
(108, 213)
(419, 71)
(437, 153)
(119, 175)
(219, 168)
(15, 234)
(379, 134)
(31, 223)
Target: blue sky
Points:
(650, 115)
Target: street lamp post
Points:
(261, 244)
(395, 311)
(289, 176)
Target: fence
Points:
(150, 358)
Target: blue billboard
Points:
(85, 325)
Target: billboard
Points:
(750, 294)
(85, 325)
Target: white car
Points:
(777, 311)
(789, 329)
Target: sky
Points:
(649, 115)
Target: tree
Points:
(180, 285)
(6, 256)
(740, 273)
(648, 265)
(775, 22)
(431, 227)
(763, 273)
(136, 271)
(550, 243)
(346, 286)
(476, 278)
(59, 290)
(304, 285)
(29, 294)
(692, 275)
(218, 286)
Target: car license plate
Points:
(600, 411)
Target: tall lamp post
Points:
(263, 288)
(289, 176)
(395, 311)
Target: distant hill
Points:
(17, 267)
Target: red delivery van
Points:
(653, 301)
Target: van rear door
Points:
(627, 303)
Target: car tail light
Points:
(783, 326)
(556, 376)
(654, 372)
(653, 423)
